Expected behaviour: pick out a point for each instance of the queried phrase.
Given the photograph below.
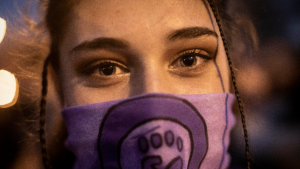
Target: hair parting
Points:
(247, 152)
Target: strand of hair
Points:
(247, 152)
(43, 115)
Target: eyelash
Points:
(198, 53)
(92, 68)
(176, 64)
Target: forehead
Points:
(125, 17)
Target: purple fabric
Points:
(152, 130)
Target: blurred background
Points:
(269, 84)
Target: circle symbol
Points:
(156, 140)
(169, 137)
(143, 144)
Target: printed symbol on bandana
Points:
(152, 132)
(156, 141)
(161, 144)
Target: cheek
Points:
(79, 94)
(207, 83)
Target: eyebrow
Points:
(189, 33)
(115, 43)
(101, 43)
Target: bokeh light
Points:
(2, 28)
(9, 89)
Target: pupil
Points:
(188, 60)
(107, 70)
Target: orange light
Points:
(9, 89)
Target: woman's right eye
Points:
(106, 68)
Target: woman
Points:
(142, 84)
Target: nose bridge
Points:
(149, 77)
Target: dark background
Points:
(271, 88)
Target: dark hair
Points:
(234, 30)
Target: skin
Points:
(150, 57)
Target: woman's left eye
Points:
(189, 59)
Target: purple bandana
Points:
(148, 131)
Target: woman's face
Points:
(117, 49)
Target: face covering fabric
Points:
(162, 131)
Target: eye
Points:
(190, 58)
(106, 68)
